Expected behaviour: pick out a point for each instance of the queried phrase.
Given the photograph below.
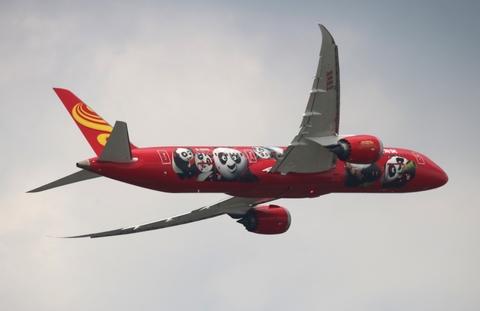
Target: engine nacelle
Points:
(270, 219)
(359, 149)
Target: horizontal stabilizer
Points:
(70, 179)
(117, 148)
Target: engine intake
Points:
(270, 219)
(359, 149)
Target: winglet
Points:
(94, 128)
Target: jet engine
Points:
(270, 219)
(359, 149)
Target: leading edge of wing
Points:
(233, 206)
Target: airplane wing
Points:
(320, 123)
(234, 206)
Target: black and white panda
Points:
(204, 164)
(262, 153)
(229, 163)
(184, 163)
(268, 152)
(398, 171)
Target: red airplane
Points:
(318, 161)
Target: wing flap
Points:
(305, 157)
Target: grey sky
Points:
(223, 73)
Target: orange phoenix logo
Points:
(367, 144)
(85, 116)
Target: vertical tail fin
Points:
(94, 128)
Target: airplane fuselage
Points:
(245, 172)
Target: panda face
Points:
(184, 154)
(275, 152)
(230, 163)
(394, 169)
(203, 162)
(262, 153)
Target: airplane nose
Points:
(436, 177)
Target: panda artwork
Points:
(229, 163)
(232, 165)
(361, 175)
(275, 152)
(204, 164)
(184, 163)
(266, 153)
(262, 153)
(398, 171)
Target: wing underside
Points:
(320, 122)
(235, 206)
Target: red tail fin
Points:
(94, 128)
